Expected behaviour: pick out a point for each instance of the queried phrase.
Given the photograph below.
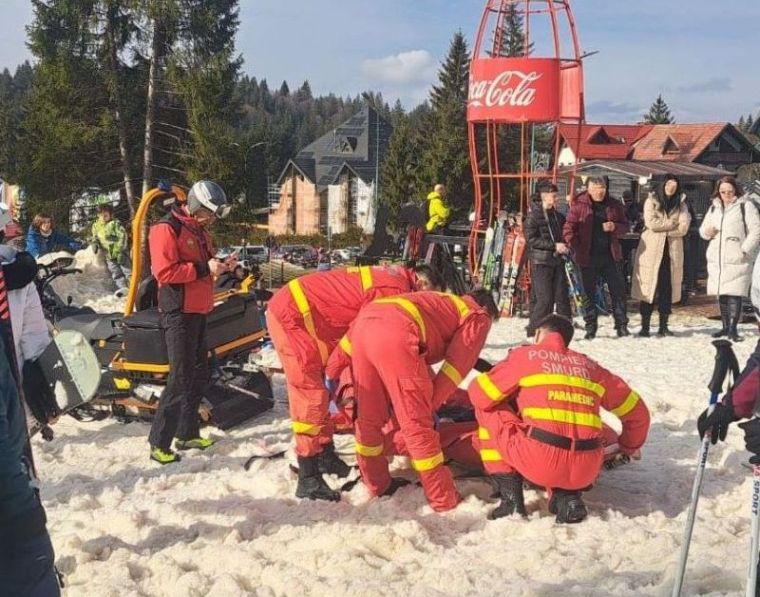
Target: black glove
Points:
(752, 439)
(719, 420)
(40, 397)
(396, 484)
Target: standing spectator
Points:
(593, 228)
(732, 227)
(181, 256)
(42, 238)
(438, 212)
(543, 233)
(27, 561)
(633, 212)
(658, 268)
(108, 234)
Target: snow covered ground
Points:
(122, 525)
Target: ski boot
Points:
(330, 464)
(509, 488)
(568, 506)
(164, 457)
(311, 485)
(197, 443)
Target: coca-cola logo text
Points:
(510, 88)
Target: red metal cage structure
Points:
(526, 77)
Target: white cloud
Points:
(415, 66)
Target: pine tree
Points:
(397, 173)
(446, 155)
(750, 123)
(510, 36)
(659, 113)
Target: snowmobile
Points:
(131, 348)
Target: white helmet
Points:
(208, 195)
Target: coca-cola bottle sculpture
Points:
(526, 77)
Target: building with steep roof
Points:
(329, 186)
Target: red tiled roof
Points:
(689, 141)
(603, 141)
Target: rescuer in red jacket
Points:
(538, 412)
(306, 319)
(391, 345)
(181, 256)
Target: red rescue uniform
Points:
(306, 319)
(391, 346)
(538, 412)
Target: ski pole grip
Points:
(723, 357)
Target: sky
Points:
(697, 53)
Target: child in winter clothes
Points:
(42, 238)
(108, 234)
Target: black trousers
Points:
(608, 271)
(549, 290)
(691, 246)
(177, 414)
(664, 290)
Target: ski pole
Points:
(723, 359)
(754, 546)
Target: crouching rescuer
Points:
(181, 256)
(391, 346)
(539, 417)
(306, 320)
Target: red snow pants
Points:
(505, 447)
(304, 379)
(392, 377)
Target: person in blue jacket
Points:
(27, 560)
(42, 238)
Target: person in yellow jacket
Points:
(108, 234)
(438, 211)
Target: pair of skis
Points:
(514, 255)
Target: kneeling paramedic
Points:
(538, 412)
(391, 346)
(306, 319)
(181, 256)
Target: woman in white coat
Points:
(732, 227)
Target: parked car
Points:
(248, 255)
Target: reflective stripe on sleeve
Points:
(345, 344)
(489, 387)
(369, 451)
(628, 405)
(451, 372)
(490, 455)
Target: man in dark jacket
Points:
(543, 233)
(593, 228)
(26, 554)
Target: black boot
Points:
(568, 506)
(646, 320)
(723, 304)
(509, 488)
(330, 464)
(734, 317)
(664, 331)
(311, 485)
(622, 331)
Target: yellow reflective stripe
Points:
(628, 405)
(305, 310)
(483, 433)
(345, 344)
(489, 387)
(490, 455)
(305, 428)
(557, 379)
(365, 272)
(410, 308)
(451, 372)
(563, 416)
(370, 451)
(460, 305)
(428, 464)
(366, 275)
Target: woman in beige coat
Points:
(658, 268)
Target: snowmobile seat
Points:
(144, 340)
(93, 326)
